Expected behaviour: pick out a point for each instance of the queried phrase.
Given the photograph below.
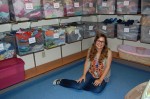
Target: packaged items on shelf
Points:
(145, 6)
(106, 6)
(4, 11)
(53, 8)
(89, 29)
(108, 27)
(128, 30)
(89, 7)
(29, 40)
(11, 72)
(54, 36)
(145, 29)
(128, 6)
(68, 8)
(7, 46)
(74, 32)
(78, 5)
(22, 10)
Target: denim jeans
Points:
(87, 85)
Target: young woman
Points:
(96, 68)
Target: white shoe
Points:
(56, 82)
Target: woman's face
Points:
(100, 43)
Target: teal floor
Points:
(123, 78)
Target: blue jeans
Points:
(87, 85)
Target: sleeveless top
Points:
(97, 69)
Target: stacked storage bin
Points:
(145, 6)
(145, 29)
(89, 7)
(128, 31)
(54, 36)
(89, 29)
(53, 8)
(108, 27)
(74, 32)
(7, 46)
(106, 6)
(29, 40)
(78, 5)
(4, 11)
(128, 6)
(22, 10)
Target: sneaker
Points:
(56, 82)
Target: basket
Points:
(135, 54)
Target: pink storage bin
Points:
(136, 54)
(11, 72)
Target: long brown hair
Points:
(93, 50)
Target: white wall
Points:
(68, 49)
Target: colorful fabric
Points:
(106, 6)
(145, 6)
(4, 11)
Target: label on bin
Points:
(1, 47)
(76, 4)
(126, 3)
(56, 5)
(56, 35)
(90, 27)
(104, 4)
(126, 29)
(29, 6)
(32, 40)
(104, 27)
(90, 4)
(76, 31)
(149, 32)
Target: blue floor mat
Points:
(123, 78)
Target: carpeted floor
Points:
(123, 78)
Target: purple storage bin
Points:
(106, 6)
(53, 8)
(128, 6)
(4, 11)
(22, 10)
(89, 7)
(11, 72)
(107, 29)
(145, 6)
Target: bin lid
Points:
(10, 62)
(138, 51)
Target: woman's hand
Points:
(97, 82)
(81, 78)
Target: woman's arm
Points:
(108, 64)
(86, 67)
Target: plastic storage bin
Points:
(145, 6)
(53, 9)
(145, 34)
(89, 29)
(4, 11)
(128, 6)
(107, 29)
(7, 46)
(89, 7)
(54, 36)
(130, 32)
(22, 10)
(136, 54)
(11, 72)
(106, 6)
